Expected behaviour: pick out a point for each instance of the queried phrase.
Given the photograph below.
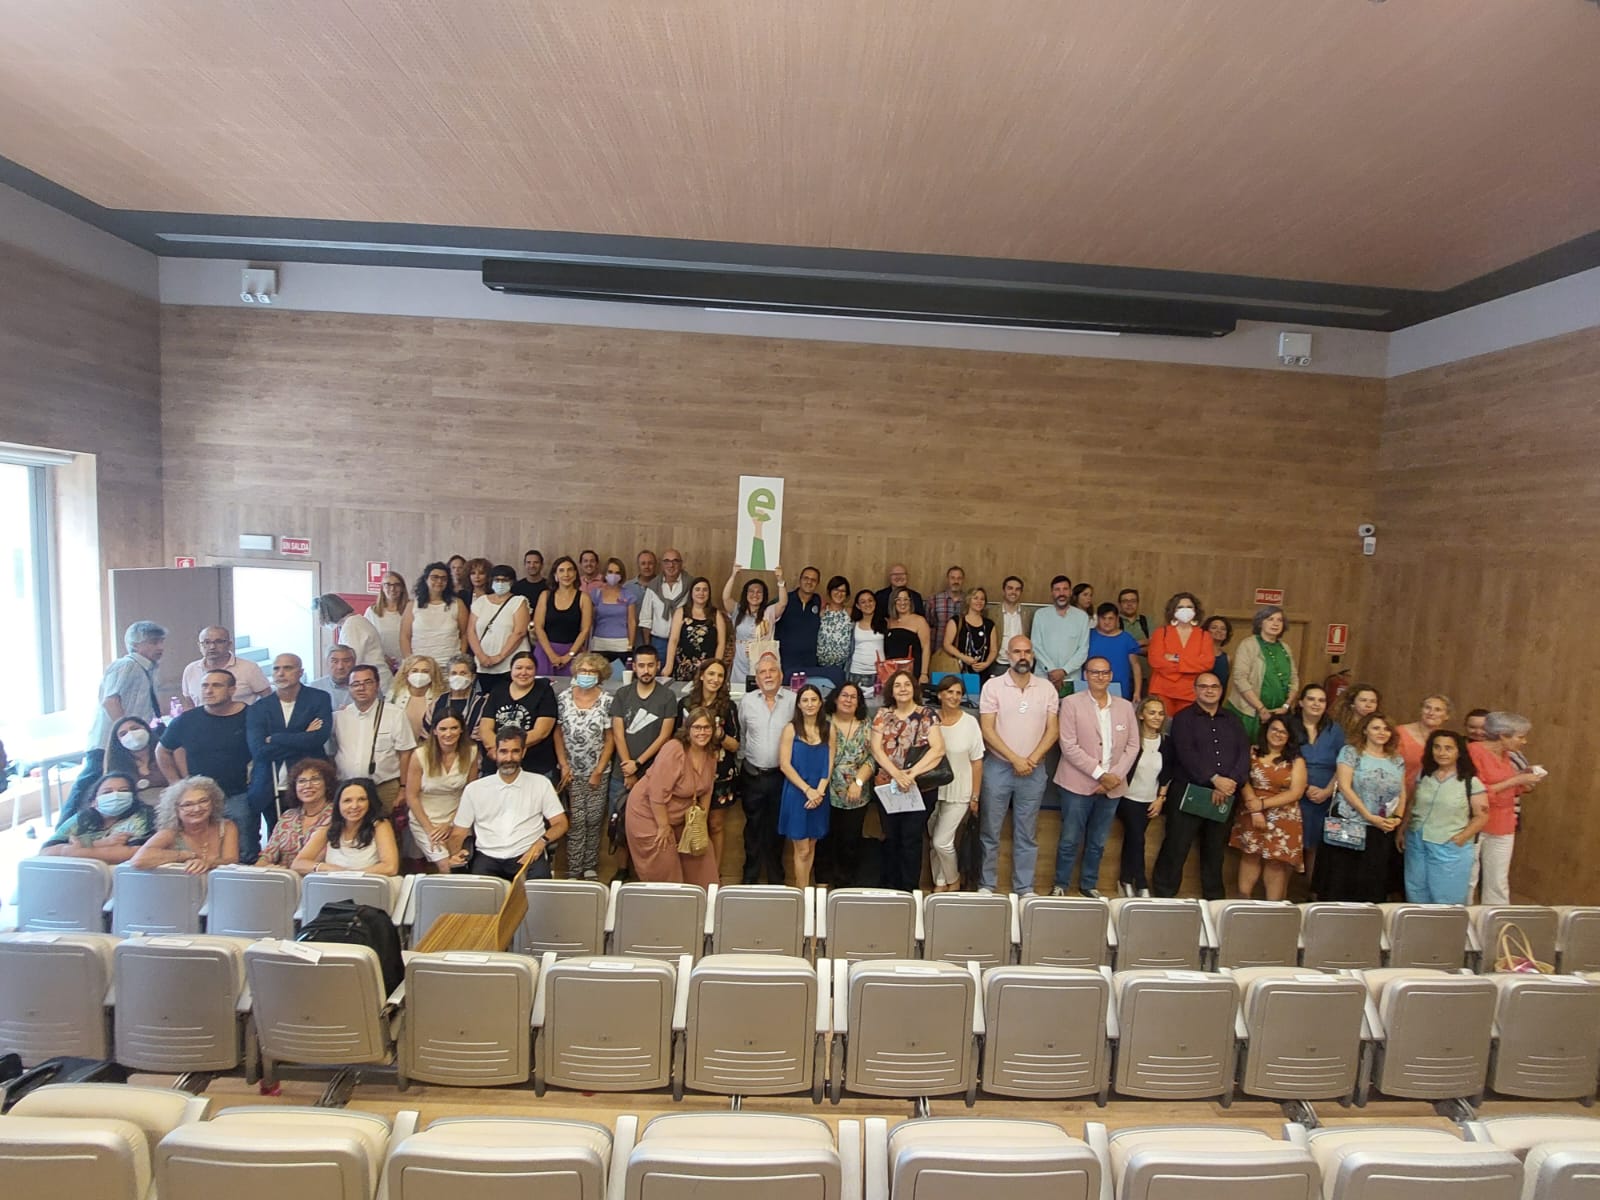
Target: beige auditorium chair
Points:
(432, 896)
(508, 1158)
(467, 1019)
(963, 927)
(939, 1157)
(565, 917)
(1385, 1162)
(55, 989)
(165, 900)
(761, 919)
(1560, 1155)
(62, 895)
(1046, 1032)
(657, 920)
(273, 1152)
(1205, 1162)
(1432, 1031)
(757, 1025)
(319, 1004)
(906, 1028)
(1063, 931)
(1302, 1033)
(605, 1023)
(1546, 1037)
(253, 902)
(1152, 933)
(735, 1155)
(1539, 923)
(89, 1141)
(1177, 1034)
(1254, 933)
(868, 924)
(1341, 936)
(1426, 935)
(182, 1005)
(390, 893)
(1577, 939)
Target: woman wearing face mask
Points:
(1358, 702)
(1146, 794)
(752, 617)
(310, 784)
(111, 828)
(1369, 806)
(386, 613)
(131, 750)
(358, 633)
(1449, 809)
(1264, 677)
(462, 697)
(1414, 735)
(446, 760)
(583, 754)
(682, 775)
(562, 620)
(616, 616)
(1320, 739)
(417, 687)
(710, 692)
(436, 625)
(699, 633)
(1179, 652)
(498, 627)
(868, 629)
(357, 838)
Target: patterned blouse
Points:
(1377, 780)
(851, 753)
(900, 736)
(583, 730)
(290, 835)
(833, 638)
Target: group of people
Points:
(469, 723)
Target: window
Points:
(26, 608)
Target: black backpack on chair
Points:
(347, 923)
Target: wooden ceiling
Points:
(1412, 144)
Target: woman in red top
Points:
(1180, 652)
(1495, 761)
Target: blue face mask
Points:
(113, 804)
(586, 680)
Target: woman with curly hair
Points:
(310, 783)
(191, 830)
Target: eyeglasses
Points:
(1097, 672)
(674, 561)
(214, 641)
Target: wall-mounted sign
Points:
(183, 560)
(375, 573)
(1269, 596)
(300, 546)
(1338, 640)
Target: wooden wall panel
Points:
(1489, 557)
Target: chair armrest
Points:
(1113, 1026)
(408, 916)
(1372, 1029)
(1111, 928)
(408, 884)
(711, 908)
(403, 1126)
(1383, 941)
(245, 1001)
(621, 1150)
(916, 900)
(1474, 942)
(1100, 1142)
(978, 1028)
(194, 1110)
(849, 1160)
(611, 906)
(824, 994)
(841, 996)
(545, 963)
(822, 914)
(875, 1159)
(1295, 1134)
(1016, 920)
(1476, 1131)
(680, 997)
(1208, 932)
(808, 918)
(396, 997)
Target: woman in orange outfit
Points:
(1180, 651)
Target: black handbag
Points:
(937, 777)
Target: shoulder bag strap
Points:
(372, 754)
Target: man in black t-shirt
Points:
(211, 741)
(643, 715)
(533, 584)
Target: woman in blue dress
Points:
(805, 756)
(1320, 738)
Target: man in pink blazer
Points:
(1099, 741)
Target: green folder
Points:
(1204, 802)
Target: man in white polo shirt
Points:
(216, 654)
(509, 813)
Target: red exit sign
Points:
(294, 545)
(1269, 596)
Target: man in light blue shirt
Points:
(127, 689)
(1060, 635)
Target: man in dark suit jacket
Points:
(275, 742)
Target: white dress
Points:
(362, 636)
(388, 626)
(434, 632)
(498, 620)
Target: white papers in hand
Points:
(897, 801)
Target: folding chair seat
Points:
(319, 1004)
(253, 902)
(269, 1152)
(1540, 924)
(868, 924)
(1376, 1162)
(735, 1155)
(165, 900)
(1063, 931)
(1176, 1034)
(1426, 935)
(761, 919)
(1255, 933)
(182, 1004)
(1341, 936)
(963, 927)
(54, 992)
(1546, 1037)
(937, 1158)
(1560, 1155)
(757, 1025)
(657, 920)
(466, 1020)
(62, 895)
(1433, 1030)
(1577, 939)
(565, 917)
(389, 893)
(905, 1029)
(432, 896)
(504, 1158)
(1046, 1032)
(1151, 933)
(1207, 1162)
(605, 1023)
(1520, 1134)
(1303, 1033)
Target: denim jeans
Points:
(1006, 791)
(247, 820)
(1085, 822)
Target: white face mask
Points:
(1184, 614)
(460, 683)
(500, 587)
(134, 739)
(113, 804)
(418, 679)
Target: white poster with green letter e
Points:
(760, 522)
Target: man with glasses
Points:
(341, 661)
(1212, 753)
(1099, 741)
(373, 739)
(660, 596)
(1017, 713)
(216, 654)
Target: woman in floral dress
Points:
(1267, 830)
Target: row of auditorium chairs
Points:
(669, 920)
(115, 1142)
(761, 1024)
